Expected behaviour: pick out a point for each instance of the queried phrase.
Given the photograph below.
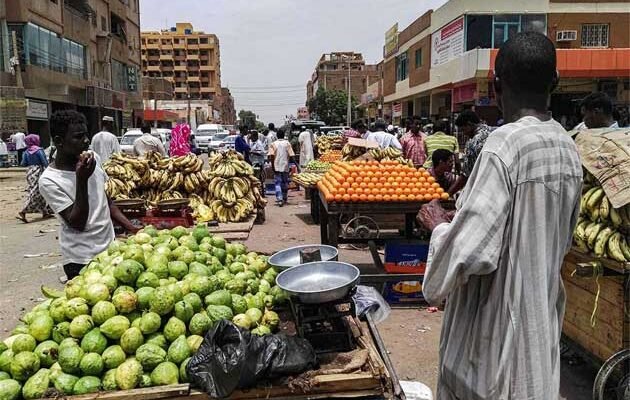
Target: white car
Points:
(126, 142)
(228, 143)
(209, 136)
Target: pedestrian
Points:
(4, 151)
(442, 169)
(476, 134)
(498, 261)
(381, 137)
(307, 143)
(272, 135)
(597, 112)
(440, 139)
(241, 145)
(413, 144)
(35, 160)
(180, 139)
(258, 153)
(280, 153)
(74, 187)
(105, 143)
(20, 145)
(147, 142)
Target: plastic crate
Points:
(406, 257)
(403, 291)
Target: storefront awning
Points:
(160, 115)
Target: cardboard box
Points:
(406, 257)
(403, 292)
(368, 144)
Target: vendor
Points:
(497, 264)
(597, 112)
(74, 187)
(442, 169)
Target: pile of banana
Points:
(601, 228)
(325, 143)
(307, 178)
(233, 193)
(227, 192)
(350, 152)
(389, 154)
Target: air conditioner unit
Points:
(566, 36)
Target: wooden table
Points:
(329, 216)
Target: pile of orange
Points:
(374, 181)
(330, 156)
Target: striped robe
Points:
(498, 262)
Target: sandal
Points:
(22, 217)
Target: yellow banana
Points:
(601, 240)
(614, 247)
(625, 248)
(594, 199)
(615, 218)
(604, 208)
(590, 240)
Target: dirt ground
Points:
(29, 257)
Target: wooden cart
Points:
(377, 380)
(609, 334)
(329, 218)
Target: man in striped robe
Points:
(497, 263)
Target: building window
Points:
(47, 50)
(401, 67)
(478, 31)
(118, 27)
(491, 31)
(119, 76)
(418, 58)
(504, 28)
(103, 23)
(595, 35)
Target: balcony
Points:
(180, 45)
(180, 58)
(193, 79)
(167, 68)
(193, 68)
(181, 89)
(207, 67)
(207, 89)
(153, 68)
(192, 46)
(208, 45)
(153, 46)
(167, 46)
(192, 57)
(181, 68)
(166, 57)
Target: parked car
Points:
(126, 142)
(228, 143)
(209, 136)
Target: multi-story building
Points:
(334, 69)
(80, 54)
(443, 62)
(188, 58)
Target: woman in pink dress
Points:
(180, 140)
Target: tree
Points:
(330, 106)
(247, 118)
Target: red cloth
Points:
(413, 147)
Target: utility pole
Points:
(17, 68)
(188, 97)
(155, 118)
(349, 109)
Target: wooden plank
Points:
(611, 286)
(588, 342)
(244, 226)
(300, 396)
(604, 332)
(151, 393)
(576, 256)
(582, 301)
(230, 236)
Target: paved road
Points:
(411, 335)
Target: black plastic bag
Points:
(232, 358)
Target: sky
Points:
(269, 48)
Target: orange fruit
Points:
(439, 190)
(350, 191)
(428, 197)
(370, 197)
(395, 197)
(383, 190)
(402, 197)
(444, 196)
(378, 197)
(363, 197)
(431, 190)
(430, 179)
(338, 197)
(358, 190)
(435, 185)
(349, 180)
(354, 197)
(341, 190)
(411, 197)
(346, 197)
(387, 197)
(399, 191)
(406, 191)
(374, 179)
(358, 179)
(345, 185)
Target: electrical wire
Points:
(267, 87)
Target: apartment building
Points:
(443, 62)
(188, 58)
(79, 54)
(334, 69)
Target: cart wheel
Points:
(361, 227)
(613, 379)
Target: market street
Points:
(410, 334)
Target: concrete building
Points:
(224, 105)
(332, 70)
(80, 54)
(188, 58)
(443, 62)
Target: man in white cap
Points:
(105, 143)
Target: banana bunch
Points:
(601, 227)
(195, 182)
(229, 164)
(187, 164)
(325, 143)
(307, 178)
(232, 212)
(118, 189)
(229, 189)
(350, 152)
(387, 153)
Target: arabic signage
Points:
(36, 109)
(448, 42)
(391, 40)
(12, 109)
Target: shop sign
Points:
(12, 109)
(397, 110)
(132, 78)
(448, 42)
(36, 109)
(391, 40)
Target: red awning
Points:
(162, 115)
